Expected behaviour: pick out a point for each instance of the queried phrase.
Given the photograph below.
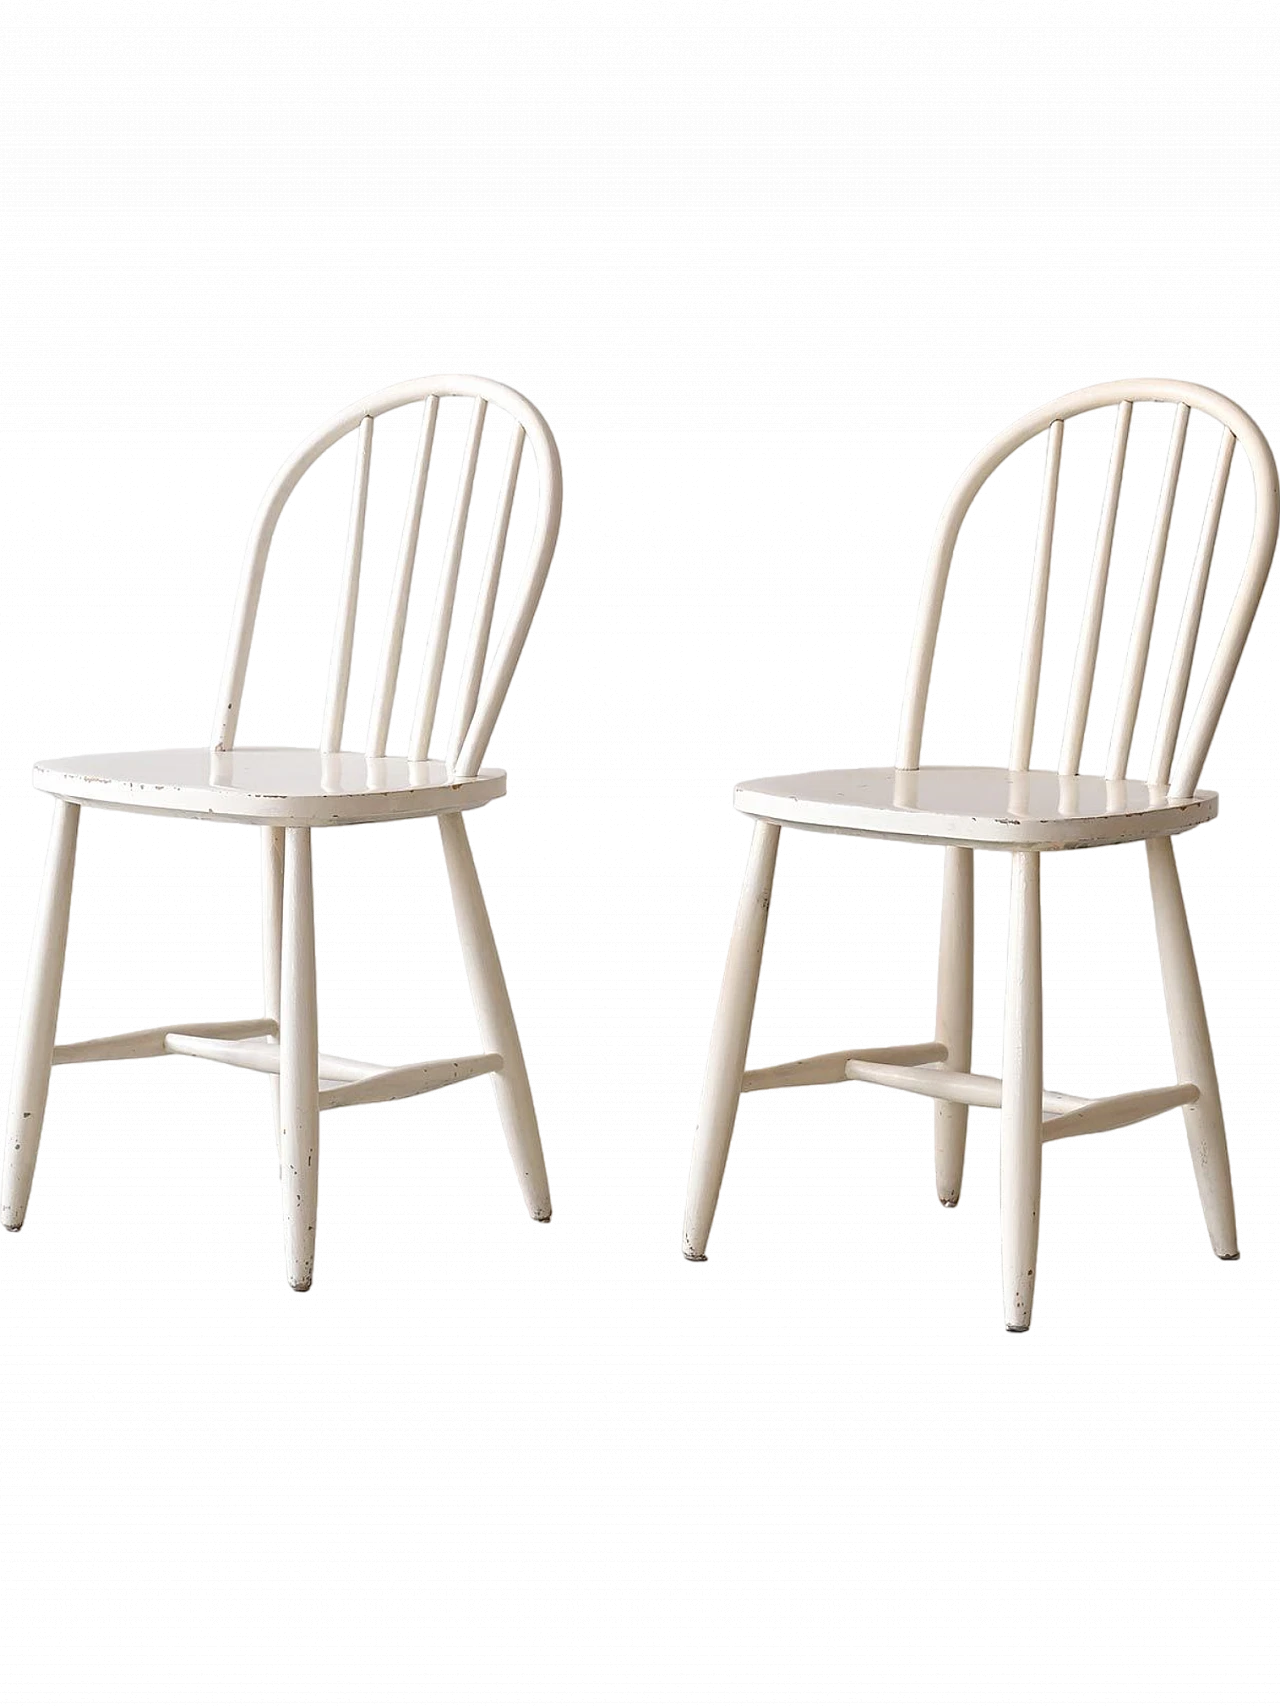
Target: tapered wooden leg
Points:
(496, 1021)
(1022, 1107)
(270, 915)
(729, 1038)
(299, 1064)
(1192, 1050)
(955, 1017)
(39, 1018)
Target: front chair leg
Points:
(496, 1021)
(1192, 1050)
(729, 1038)
(955, 1017)
(39, 1018)
(1022, 1102)
(299, 1065)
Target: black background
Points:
(596, 1458)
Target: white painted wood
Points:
(292, 787)
(139, 1045)
(729, 1039)
(1135, 669)
(1021, 1116)
(954, 1027)
(478, 646)
(397, 615)
(1107, 1114)
(1184, 651)
(262, 1055)
(345, 636)
(299, 1065)
(1113, 394)
(1192, 1050)
(289, 791)
(1024, 721)
(272, 947)
(830, 1069)
(442, 617)
(1024, 813)
(414, 1081)
(496, 1021)
(39, 1019)
(974, 806)
(974, 1090)
(546, 527)
(1091, 632)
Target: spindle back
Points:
(483, 681)
(1172, 766)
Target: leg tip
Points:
(1222, 1256)
(301, 1285)
(544, 1219)
(950, 1202)
(692, 1256)
(11, 1226)
(1017, 1327)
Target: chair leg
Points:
(955, 1017)
(730, 1035)
(1022, 1107)
(496, 1021)
(40, 1017)
(1192, 1050)
(299, 1066)
(272, 939)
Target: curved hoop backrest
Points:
(1238, 429)
(484, 682)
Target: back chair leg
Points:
(40, 1017)
(1192, 1050)
(1022, 1107)
(729, 1039)
(955, 1017)
(299, 1064)
(496, 1021)
(272, 939)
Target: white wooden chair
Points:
(289, 791)
(1024, 812)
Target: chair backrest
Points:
(1123, 395)
(483, 681)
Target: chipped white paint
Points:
(288, 792)
(1024, 813)
(975, 806)
(299, 1064)
(289, 787)
(399, 1082)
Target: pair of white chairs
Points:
(288, 792)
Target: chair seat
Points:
(975, 806)
(291, 786)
